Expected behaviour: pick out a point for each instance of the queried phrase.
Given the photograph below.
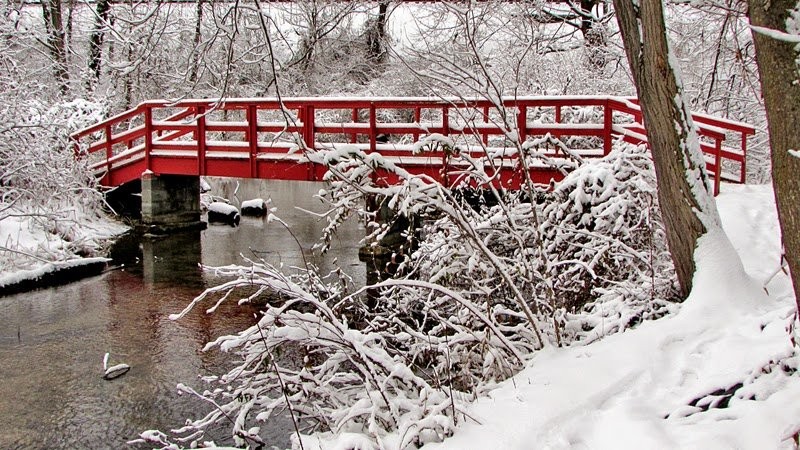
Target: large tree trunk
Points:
(686, 205)
(56, 44)
(780, 87)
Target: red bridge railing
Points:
(266, 138)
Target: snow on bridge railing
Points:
(258, 137)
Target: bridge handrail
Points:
(136, 127)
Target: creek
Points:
(52, 341)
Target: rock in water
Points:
(223, 213)
(109, 373)
(256, 207)
(116, 371)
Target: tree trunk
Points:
(198, 37)
(56, 45)
(780, 87)
(376, 35)
(96, 39)
(687, 207)
(594, 36)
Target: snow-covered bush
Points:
(609, 262)
(352, 377)
(489, 283)
(603, 222)
(49, 207)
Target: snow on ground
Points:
(32, 245)
(634, 389)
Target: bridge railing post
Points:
(252, 138)
(717, 164)
(608, 124)
(307, 114)
(200, 114)
(308, 117)
(522, 123)
(354, 117)
(557, 121)
(417, 120)
(445, 174)
(148, 134)
(373, 128)
(109, 146)
(484, 135)
(743, 146)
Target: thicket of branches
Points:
(491, 282)
(42, 186)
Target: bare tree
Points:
(687, 208)
(198, 37)
(376, 34)
(97, 36)
(779, 65)
(56, 42)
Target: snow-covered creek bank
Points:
(52, 341)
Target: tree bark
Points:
(198, 36)
(594, 36)
(686, 206)
(56, 45)
(96, 38)
(780, 86)
(376, 35)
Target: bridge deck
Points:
(265, 138)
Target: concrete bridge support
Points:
(170, 203)
(382, 258)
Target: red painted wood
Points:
(188, 138)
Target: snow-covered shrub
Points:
(49, 206)
(488, 285)
(604, 237)
(603, 224)
(353, 376)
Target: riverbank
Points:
(51, 274)
(721, 373)
(39, 250)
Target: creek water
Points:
(52, 341)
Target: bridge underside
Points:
(292, 169)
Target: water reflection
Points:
(180, 253)
(52, 341)
(287, 246)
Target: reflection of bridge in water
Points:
(170, 144)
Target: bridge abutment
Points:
(170, 202)
(383, 257)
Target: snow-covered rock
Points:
(256, 207)
(220, 212)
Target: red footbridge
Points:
(271, 138)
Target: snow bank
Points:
(646, 388)
(44, 270)
(35, 247)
